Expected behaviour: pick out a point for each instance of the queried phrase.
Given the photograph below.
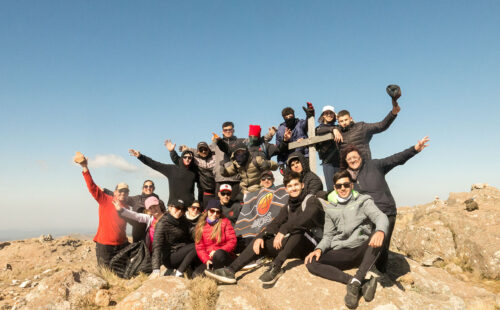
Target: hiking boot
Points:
(224, 275)
(352, 296)
(368, 289)
(271, 275)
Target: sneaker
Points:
(352, 296)
(253, 264)
(224, 275)
(169, 272)
(271, 275)
(368, 289)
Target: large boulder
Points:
(444, 232)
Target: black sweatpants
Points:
(220, 259)
(105, 252)
(181, 258)
(294, 246)
(381, 263)
(332, 262)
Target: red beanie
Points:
(254, 130)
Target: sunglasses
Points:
(203, 150)
(227, 130)
(123, 190)
(188, 157)
(345, 185)
(266, 179)
(148, 186)
(214, 211)
(225, 193)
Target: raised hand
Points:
(422, 144)
(169, 145)
(395, 107)
(215, 137)
(134, 153)
(272, 131)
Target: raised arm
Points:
(402, 157)
(94, 190)
(160, 167)
(373, 128)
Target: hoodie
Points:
(312, 183)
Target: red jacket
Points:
(207, 245)
(111, 229)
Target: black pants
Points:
(105, 253)
(296, 246)
(332, 262)
(181, 258)
(242, 244)
(381, 263)
(220, 259)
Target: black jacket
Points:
(170, 235)
(312, 183)
(371, 179)
(206, 178)
(360, 134)
(232, 211)
(328, 151)
(293, 221)
(181, 179)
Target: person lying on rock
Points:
(289, 235)
(214, 238)
(348, 240)
(369, 178)
(110, 237)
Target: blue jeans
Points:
(328, 171)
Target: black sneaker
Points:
(352, 296)
(271, 275)
(368, 289)
(224, 275)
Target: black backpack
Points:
(131, 260)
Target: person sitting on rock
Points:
(152, 213)
(181, 177)
(369, 177)
(288, 235)
(173, 245)
(214, 238)
(348, 240)
(298, 163)
(111, 236)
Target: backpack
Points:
(131, 260)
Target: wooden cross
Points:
(311, 141)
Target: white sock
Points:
(355, 280)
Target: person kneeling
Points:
(289, 235)
(348, 240)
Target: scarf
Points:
(212, 223)
(295, 202)
(343, 200)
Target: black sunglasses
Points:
(187, 157)
(345, 185)
(148, 186)
(266, 178)
(226, 193)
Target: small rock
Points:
(45, 238)
(406, 279)
(36, 277)
(25, 284)
(8, 267)
(102, 298)
(471, 205)
(47, 271)
(429, 260)
(15, 282)
(453, 268)
(478, 186)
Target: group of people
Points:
(348, 225)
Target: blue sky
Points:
(102, 77)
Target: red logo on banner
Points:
(264, 203)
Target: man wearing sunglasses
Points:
(181, 177)
(230, 209)
(369, 175)
(110, 237)
(288, 235)
(267, 180)
(348, 240)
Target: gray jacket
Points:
(221, 158)
(348, 225)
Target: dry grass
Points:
(86, 302)
(119, 288)
(481, 305)
(203, 293)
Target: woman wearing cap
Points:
(214, 238)
(328, 151)
(152, 213)
(193, 215)
(173, 245)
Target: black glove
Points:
(309, 110)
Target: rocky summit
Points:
(445, 255)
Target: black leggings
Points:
(296, 246)
(181, 258)
(220, 259)
(381, 263)
(332, 262)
